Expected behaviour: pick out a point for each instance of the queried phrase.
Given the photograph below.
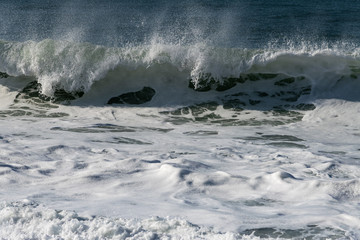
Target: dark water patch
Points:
(205, 85)
(4, 75)
(334, 171)
(289, 138)
(139, 97)
(113, 128)
(285, 82)
(46, 172)
(15, 113)
(14, 167)
(118, 128)
(52, 115)
(33, 91)
(207, 117)
(195, 164)
(201, 133)
(162, 130)
(80, 165)
(177, 112)
(30, 102)
(36, 104)
(234, 105)
(190, 165)
(174, 154)
(287, 96)
(268, 75)
(183, 173)
(203, 107)
(202, 112)
(78, 130)
(275, 137)
(97, 177)
(249, 77)
(24, 111)
(254, 102)
(135, 171)
(251, 138)
(283, 112)
(305, 90)
(195, 110)
(251, 122)
(355, 72)
(278, 103)
(305, 106)
(202, 85)
(124, 140)
(207, 82)
(259, 202)
(239, 94)
(105, 127)
(287, 145)
(179, 120)
(55, 148)
(309, 232)
(106, 175)
(226, 85)
(212, 182)
(286, 175)
(151, 161)
(190, 202)
(333, 152)
(294, 97)
(262, 94)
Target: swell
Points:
(331, 71)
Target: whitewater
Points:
(118, 125)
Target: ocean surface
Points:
(179, 119)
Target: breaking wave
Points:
(77, 67)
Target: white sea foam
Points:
(28, 220)
(274, 156)
(242, 180)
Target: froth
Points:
(28, 220)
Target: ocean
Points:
(200, 119)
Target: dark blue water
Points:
(243, 23)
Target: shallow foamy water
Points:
(289, 181)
